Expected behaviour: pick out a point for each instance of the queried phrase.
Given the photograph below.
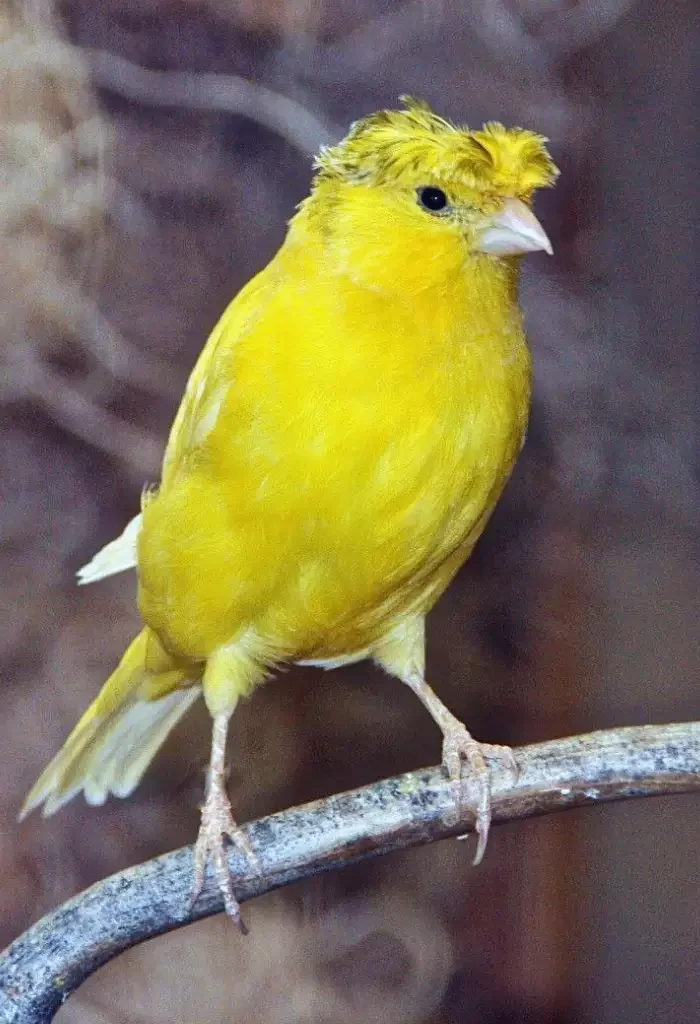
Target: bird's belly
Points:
(392, 550)
(324, 559)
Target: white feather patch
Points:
(117, 556)
(132, 742)
(113, 755)
(338, 662)
(207, 415)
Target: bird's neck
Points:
(468, 319)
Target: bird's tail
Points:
(119, 734)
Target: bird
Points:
(342, 441)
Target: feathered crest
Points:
(392, 145)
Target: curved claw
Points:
(459, 746)
(219, 828)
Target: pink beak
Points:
(513, 230)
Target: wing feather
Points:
(205, 391)
(195, 419)
(117, 556)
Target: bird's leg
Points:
(218, 828)
(459, 746)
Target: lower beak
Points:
(513, 230)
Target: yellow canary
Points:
(340, 446)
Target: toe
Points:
(240, 840)
(483, 822)
(503, 755)
(223, 877)
(211, 848)
(460, 747)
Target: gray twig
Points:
(42, 967)
(199, 91)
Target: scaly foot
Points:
(217, 831)
(460, 747)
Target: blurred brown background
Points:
(127, 223)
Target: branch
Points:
(212, 92)
(41, 968)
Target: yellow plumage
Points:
(342, 441)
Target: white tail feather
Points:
(117, 556)
(132, 742)
(110, 754)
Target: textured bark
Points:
(40, 970)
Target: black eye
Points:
(432, 199)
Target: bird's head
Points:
(407, 200)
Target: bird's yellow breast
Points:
(340, 456)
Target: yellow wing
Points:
(190, 423)
(202, 526)
(204, 392)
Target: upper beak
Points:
(514, 229)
